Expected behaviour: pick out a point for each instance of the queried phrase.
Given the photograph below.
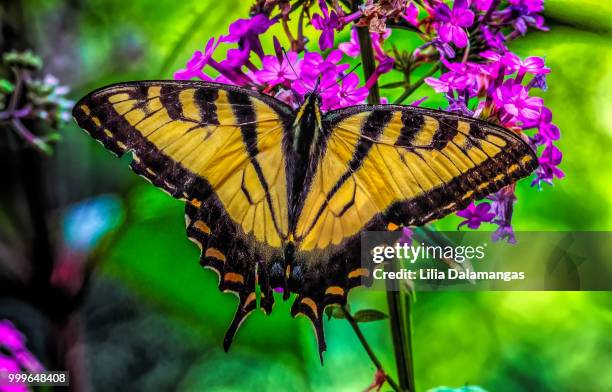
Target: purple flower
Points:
(549, 160)
(418, 102)
(236, 58)
(503, 202)
(289, 97)
(247, 31)
(503, 207)
(515, 100)
(547, 131)
(491, 55)
(531, 6)
(351, 48)
(504, 233)
(28, 361)
(377, 44)
(9, 365)
(276, 72)
(475, 215)
(495, 40)
(411, 14)
(13, 343)
(532, 65)
(231, 73)
(314, 65)
(448, 82)
(349, 93)
(197, 62)
(10, 337)
(327, 23)
(538, 81)
(482, 5)
(443, 48)
(385, 65)
(522, 14)
(406, 237)
(452, 22)
(458, 105)
(328, 88)
(475, 78)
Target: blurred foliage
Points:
(503, 341)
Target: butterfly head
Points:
(314, 97)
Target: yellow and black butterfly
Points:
(278, 197)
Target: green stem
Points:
(369, 65)
(400, 329)
(407, 92)
(29, 137)
(394, 84)
(400, 320)
(368, 349)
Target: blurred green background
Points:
(153, 312)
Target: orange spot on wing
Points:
(358, 273)
(311, 304)
(334, 290)
(233, 277)
(203, 227)
(212, 252)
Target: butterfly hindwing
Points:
(383, 167)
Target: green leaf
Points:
(53, 137)
(6, 87)
(366, 315)
(334, 311)
(26, 60)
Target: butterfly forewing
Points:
(199, 140)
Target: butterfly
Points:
(277, 198)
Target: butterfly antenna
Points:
(337, 82)
(316, 86)
(289, 62)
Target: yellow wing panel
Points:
(404, 161)
(204, 130)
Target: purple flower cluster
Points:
(14, 355)
(289, 75)
(465, 39)
(492, 83)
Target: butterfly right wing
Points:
(406, 166)
(386, 166)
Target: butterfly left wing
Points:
(218, 147)
(382, 167)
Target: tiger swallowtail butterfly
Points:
(277, 197)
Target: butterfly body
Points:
(278, 198)
(306, 131)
